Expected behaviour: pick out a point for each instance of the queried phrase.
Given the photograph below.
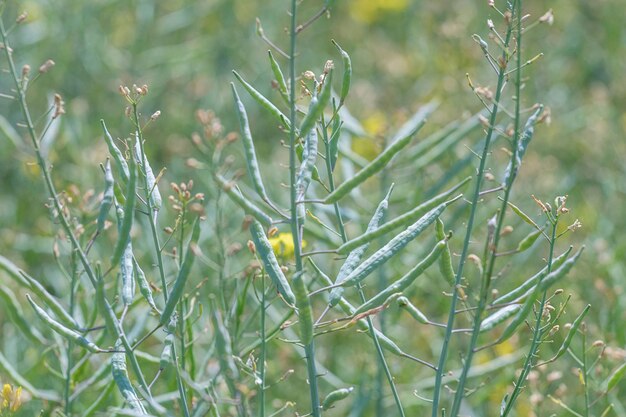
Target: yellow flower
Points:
(11, 400)
(282, 244)
(369, 11)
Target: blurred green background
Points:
(404, 53)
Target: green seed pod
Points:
(499, 316)
(518, 293)
(436, 203)
(316, 107)
(66, 332)
(570, 334)
(166, 353)
(181, 279)
(126, 272)
(303, 180)
(266, 253)
(335, 396)
(120, 376)
(377, 164)
(238, 198)
(524, 140)
(154, 195)
(445, 261)
(556, 275)
(305, 314)
(353, 259)
(405, 304)
(528, 241)
(127, 223)
(264, 102)
(51, 302)
(280, 78)
(347, 73)
(16, 316)
(404, 282)
(103, 306)
(107, 196)
(144, 286)
(392, 247)
(117, 155)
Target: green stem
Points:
(295, 227)
(466, 242)
(263, 351)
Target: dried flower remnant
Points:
(548, 17)
(46, 66)
(59, 106)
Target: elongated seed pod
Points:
(333, 143)
(117, 155)
(280, 78)
(522, 145)
(127, 222)
(107, 196)
(532, 281)
(347, 73)
(181, 279)
(316, 107)
(376, 165)
(522, 215)
(305, 314)
(528, 241)
(615, 377)
(248, 146)
(404, 282)
(383, 254)
(120, 376)
(334, 396)
(413, 311)
(519, 317)
(266, 253)
(16, 316)
(223, 345)
(264, 102)
(126, 273)
(438, 202)
(445, 261)
(154, 195)
(303, 180)
(499, 316)
(353, 259)
(144, 286)
(248, 207)
(103, 306)
(166, 353)
(40, 291)
(66, 332)
(570, 333)
(556, 275)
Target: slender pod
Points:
(264, 102)
(223, 345)
(153, 188)
(248, 146)
(570, 334)
(126, 272)
(317, 105)
(120, 376)
(524, 140)
(66, 332)
(266, 253)
(278, 75)
(532, 281)
(305, 314)
(376, 165)
(238, 198)
(615, 377)
(334, 396)
(355, 256)
(144, 286)
(556, 275)
(333, 142)
(303, 179)
(117, 155)
(166, 353)
(107, 196)
(181, 279)
(437, 203)
(499, 316)
(127, 222)
(519, 317)
(103, 306)
(16, 316)
(413, 311)
(347, 73)
(528, 240)
(50, 301)
(445, 261)
(383, 254)
(522, 215)
(404, 282)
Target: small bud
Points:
(251, 247)
(232, 137)
(553, 330)
(308, 75)
(155, 115)
(199, 196)
(25, 70)
(284, 269)
(144, 90)
(247, 221)
(328, 66)
(168, 230)
(21, 17)
(506, 230)
(272, 232)
(490, 3)
(548, 18)
(490, 24)
(233, 249)
(489, 176)
(175, 187)
(45, 67)
(598, 343)
(559, 291)
(59, 106)
(483, 120)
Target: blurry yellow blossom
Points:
(282, 244)
(369, 148)
(369, 11)
(11, 400)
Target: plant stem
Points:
(295, 227)
(466, 242)
(263, 351)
